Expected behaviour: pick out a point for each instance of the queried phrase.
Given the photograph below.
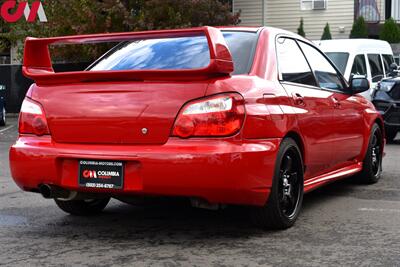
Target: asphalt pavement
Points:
(343, 224)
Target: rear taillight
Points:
(221, 115)
(32, 119)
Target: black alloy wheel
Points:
(286, 196)
(289, 188)
(372, 164)
(376, 155)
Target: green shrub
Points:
(72, 17)
(327, 33)
(359, 29)
(300, 30)
(390, 31)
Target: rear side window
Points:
(292, 64)
(177, 53)
(376, 67)
(387, 61)
(242, 46)
(359, 66)
(325, 73)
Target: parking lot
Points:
(343, 224)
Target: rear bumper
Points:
(220, 171)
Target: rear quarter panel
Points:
(269, 112)
(371, 116)
(265, 104)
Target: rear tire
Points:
(286, 197)
(83, 207)
(3, 117)
(372, 165)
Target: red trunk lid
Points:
(115, 113)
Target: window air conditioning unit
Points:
(319, 4)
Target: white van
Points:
(368, 57)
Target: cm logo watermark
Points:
(13, 11)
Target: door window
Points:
(293, 67)
(376, 67)
(326, 75)
(387, 61)
(359, 66)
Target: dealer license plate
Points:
(101, 174)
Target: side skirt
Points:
(318, 181)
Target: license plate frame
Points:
(101, 174)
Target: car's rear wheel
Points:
(82, 207)
(3, 117)
(286, 197)
(391, 134)
(372, 164)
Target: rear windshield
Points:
(177, 53)
(340, 60)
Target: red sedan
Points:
(246, 116)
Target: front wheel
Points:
(286, 197)
(372, 164)
(82, 207)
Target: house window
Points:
(313, 4)
(306, 4)
(396, 10)
(368, 9)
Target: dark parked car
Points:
(386, 99)
(2, 105)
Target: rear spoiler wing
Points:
(37, 64)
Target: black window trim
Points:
(301, 85)
(280, 77)
(253, 49)
(346, 89)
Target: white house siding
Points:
(286, 14)
(251, 11)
